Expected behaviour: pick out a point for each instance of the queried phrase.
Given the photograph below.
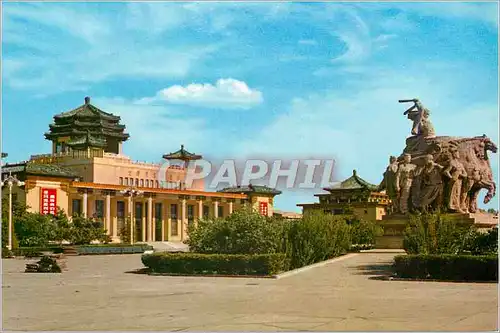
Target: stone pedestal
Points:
(395, 224)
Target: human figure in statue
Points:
(404, 180)
(422, 125)
(430, 192)
(455, 171)
(389, 183)
(467, 185)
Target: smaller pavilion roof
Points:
(352, 183)
(182, 154)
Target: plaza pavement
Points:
(96, 293)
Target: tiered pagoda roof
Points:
(87, 124)
(182, 155)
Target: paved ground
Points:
(97, 294)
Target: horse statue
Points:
(473, 156)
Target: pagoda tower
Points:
(86, 127)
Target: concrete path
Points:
(97, 294)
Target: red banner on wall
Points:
(48, 201)
(263, 208)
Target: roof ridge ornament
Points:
(87, 100)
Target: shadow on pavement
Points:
(381, 271)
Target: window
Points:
(157, 184)
(137, 182)
(206, 211)
(99, 210)
(220, 211)
(158, 220)
(126, 180)
(174, 222)
(120, 214)
(142, 182)
(139, 209)
(190, 213)
(76, 207)
(121, 181)
(147, 182)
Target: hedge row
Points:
(35, 251)
(113, 249)
(447, 267)
(221, 264)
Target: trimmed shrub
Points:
(243, 232)
(447, 267)
(223, 264)
(35, 251)
(315, 237)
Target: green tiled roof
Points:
(27, 168)
(353, 183)
(182, 154)
(87, 140)
(85, 118)
(251, 189)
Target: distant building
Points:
(287, 215)
(351, 195)
(87, 174)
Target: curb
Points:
(319, 264)
(383, 251)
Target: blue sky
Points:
(229, 80)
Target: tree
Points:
(18, 211)
(35, 229)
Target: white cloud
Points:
(308, 42)
(226, 93)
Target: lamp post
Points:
(131, 192)
(11, 181)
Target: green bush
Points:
(83, 231)
(243, 232)
(478, 243)
(315, 237)
(364, 232)
(447, 267)
(222, 264)
(435, 234)
(35, 230)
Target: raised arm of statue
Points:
(398, 176)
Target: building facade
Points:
(87, 174)
(353, 195)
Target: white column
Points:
(107, 223)
(150, 219)
(85, 199)
(230, 207)
(183, 219)
(143, 220)
(216, 209)
(131, 216)
(9, 245)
